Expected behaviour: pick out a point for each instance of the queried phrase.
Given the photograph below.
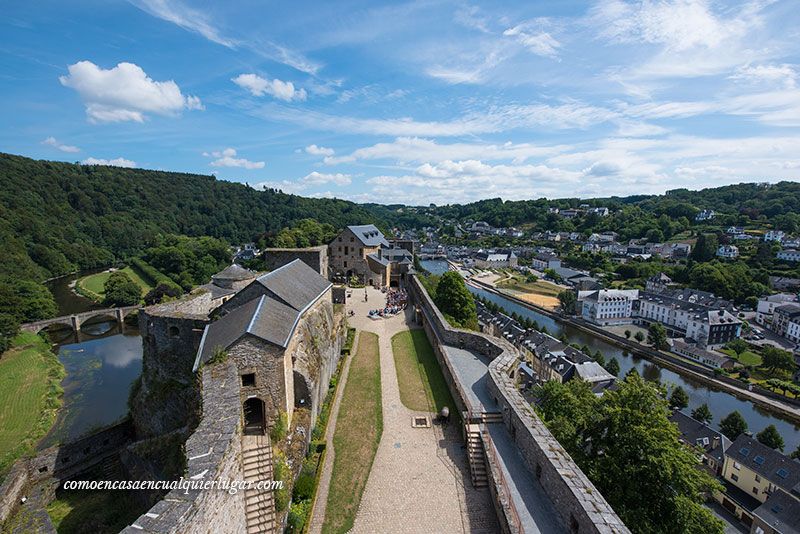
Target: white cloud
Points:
(310, 180)
(533, 37)
(187, 18)
(315, 150)
(51, 141)
(279, 89)
(116, 162)
(783, 75)
(124, 93)
(562, 116)
(317, 178)
(421, 150)
(227, 158)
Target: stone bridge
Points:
(75, 321)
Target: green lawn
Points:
(422, 386)
(358, 431)
(93, 285)
(748, 357)
(30, 395)
(540, 287)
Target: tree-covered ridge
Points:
(57, 217)
(741, 204)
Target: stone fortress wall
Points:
(213, 452)
(314, 257)
(581, 506)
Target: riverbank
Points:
(763, 398)
(30, 396)
(92, 286)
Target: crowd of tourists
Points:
(396, 302)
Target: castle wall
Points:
(268, 363)
(213, 452)
(581, 506)
(167, 398)
(314, 257)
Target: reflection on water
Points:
(99, 376)
(720, 403)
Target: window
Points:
(345, 265)
(248, 379)
(173, 331)
(758, 478)
(43, 469)
(755, 490)
(352, 239)
(736, 465)
(735, 478)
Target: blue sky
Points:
(412, 102)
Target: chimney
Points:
(715, 442)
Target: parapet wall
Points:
(213, 452)
(581, 506)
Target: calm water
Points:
(100, 369)
(720, 403)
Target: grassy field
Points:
(422, 386)
(540, 287)
(30, 395)
(358, 431)
(746, 358)
(92, 285)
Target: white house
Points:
(766, 306)
(789, 255)
(728, 251)
(543, 261)
(608, 307)
(705, 215)
(774, 235)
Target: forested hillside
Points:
(57, 217)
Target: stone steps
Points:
(476, 456)
(257, 466)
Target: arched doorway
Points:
(254, 423)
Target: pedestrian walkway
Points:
(420, 479)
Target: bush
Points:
(279, 429)
(281, 473)
(298, 515)
(120, 290)
(304, 485)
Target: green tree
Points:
(567, 300)
(613, 367)
(774, 358)
(120, 290)
(702, 413)
(796, 454)
(679, 398)
(733, 425)
(455, 301)
(627, 334)
(639, 336)
(771, 438)
(705, 248)
(738, 346)
(631, 451)
(657, 336)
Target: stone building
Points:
(363, 253)
(281, 333)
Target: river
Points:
(100, 368)
(720, 402)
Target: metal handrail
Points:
(490, 449)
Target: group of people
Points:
(396, 302)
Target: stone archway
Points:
(254, 416)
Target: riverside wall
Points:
(581, 506)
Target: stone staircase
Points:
(491, 417)
(257, 465)
(477, 456)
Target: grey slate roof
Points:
(377, 259)
(234, 272)
(296, 284)
(369, 235)
(263, 317)
(695, 433)
(769, 463)
(782, 512)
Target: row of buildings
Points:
(761, 485)
(546, 358)
(699, 319)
